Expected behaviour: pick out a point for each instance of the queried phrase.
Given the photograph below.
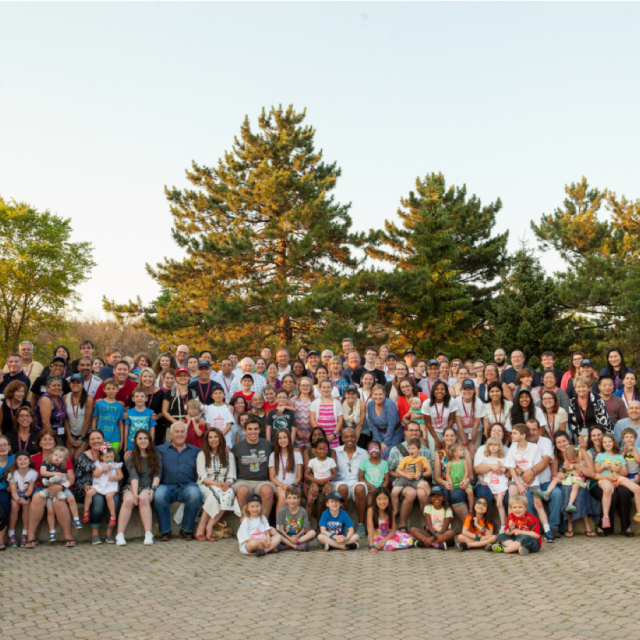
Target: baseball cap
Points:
(468, 384)
(586, 363)
(352, 387)
(254, 498)
(204, 364)
(57, 359)
(408, 351)
(437, 490)
(391, 355)
(313, 352)
(183, 370)
(76, 377)
(433, 362)
(334, 496)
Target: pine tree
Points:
(445, 266)
(268, 248)
(529, 314)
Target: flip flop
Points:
(590, 534)
(70, 544)
(200, 538)
(31, 544)
(568, 534)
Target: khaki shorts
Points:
(253, 485)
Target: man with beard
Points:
(500, 358)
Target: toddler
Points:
(631, 453)
(408, 471)
(256, 536)
(573, 477)
(106, 476)
(496, 481)
(54, 472)
(459, 471)
(22, 478)
(195, 423)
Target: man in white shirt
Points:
(226, 377)
(543, 478)
(91, 382)
(247, 365)
(348, 458)
(182, 353)
(282, 358)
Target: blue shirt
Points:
(3, 482)
(178, 467)
(108, 414)
(137, 421)
(621, 425)
(338, 525)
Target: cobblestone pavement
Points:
(204, 590)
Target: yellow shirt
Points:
(410, 465)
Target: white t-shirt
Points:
(253, 529)
(22, 484)
(468, 411)
(497, 417)
(289, 477)
(539, 416)
(524, 460)
(220, 417)
(546, 449)
(321, 468)
(439, 413)
(498, 483)
(334, 393)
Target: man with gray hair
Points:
(326, 356)
(31, 368)
(246, 366)
(177, 484)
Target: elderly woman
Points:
(23, 435)
(46, 441)
(15, 396)
(85, 466)
(586, 410)
(383, 417)
(50, 410)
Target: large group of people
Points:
(517, 455)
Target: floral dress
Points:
(400, 541)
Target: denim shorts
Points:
(525, 541)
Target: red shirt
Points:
(248, 397)
(192, 437)
(526, 523)
(404, 407)
(268, 407)
(123, 395)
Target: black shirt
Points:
(509, 376)
(204, 391)
(556, 372)
(8, 413)
(379, 375)
(20, 377)
(16, 445)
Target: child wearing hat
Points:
(336, 527)
(255, 535)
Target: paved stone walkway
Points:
(208, 590)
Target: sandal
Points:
(70, 544)
(211, 537)
(568, 534)
(200, 538)
(590, 534)
(31, 544)
(2, 547)
(112, 521)
(403, 529)
(12, 541)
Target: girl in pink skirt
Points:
(381, 525)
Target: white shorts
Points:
(351, 486)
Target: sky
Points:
(103, 104)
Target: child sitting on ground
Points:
(256, 536)
(459, 471)
(437, 531)
(523, 530)
(54, 472)
(106, 476)
(293, 523)
(374, 471)
(478, 530)
(381, 525)
(572, 477)
(408, 468)
(336, 527)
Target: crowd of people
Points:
(517, 455)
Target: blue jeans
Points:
(457, 497)
(188, 494)
(98, 509)
(555, 505)
(483, 491)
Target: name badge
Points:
(60, 431)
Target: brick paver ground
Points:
(578, 588)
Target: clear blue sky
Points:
(101, 105)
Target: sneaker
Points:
(461, 546)
(420, 544)
(523, 551)
(572, 509)
(77, 524)
(260, 553)
(549, 537)
(327, 547)
(442, 546)
(85, 516)
(303, 546)
(53, 536)
(636, 517)
(361, 530)
(96, 540)
(606, 522)
(498, 548)
(148, 538)
(12, 541)
(542, 495)
(353, 546)
(276, 550)
(111, 539)
(112, 521)
(282, 547)
(120, 541)
(489, 547)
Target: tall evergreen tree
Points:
(268, 247)
(529, 314)
(446, 263)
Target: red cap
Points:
(183, 370)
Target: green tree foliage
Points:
(598, 235)
(446, 265)
(40, 269)
(528, 314)
(268, 247)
